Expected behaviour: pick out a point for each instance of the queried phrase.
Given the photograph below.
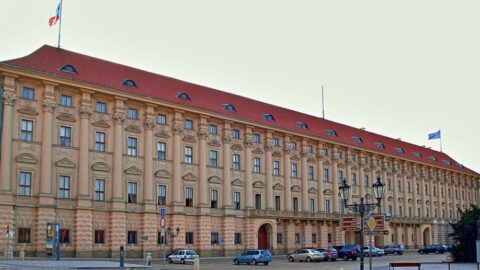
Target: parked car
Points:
(433, 249)
(329, 253)
(380, 251)
(449, 247)
(182, 256)
(394, 249)
(306, 255)
(349, 251)
(254, 256)
(369, 251)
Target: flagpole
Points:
(60, 25)
(441, 141)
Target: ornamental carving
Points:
(268, 147)
(214, 179)
(48, 105)
(295, 158)
(278, 186)
(203, 134)
(67, 117)
(9, 98)
(149, 122)
(237, 147)
(66, 163)
(248, 143)
(85, 112)
(134, 171)
(227, 139)
(312, 190)
(27, 110)
(311, 160)
(257, 151)
(214, 143)
(101, 123)
(26, 158)
(287, 151)
(190, 177)
(119, 118)
(258, 184)
(163, 134)
(189, 139)
(162, 173)
(133, 129)
(237, 182)
(295, 188)
(327, 192)
(304, 152)
(277, 154)
(101, 166)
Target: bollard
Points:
(148, 259)
(22, 255)
(196, 263)
(122, 257)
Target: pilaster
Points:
(248, 168)
(47, 127)
(83, 161)
(202, 166)
(118, 119)
(83, 233)
(6, 153)
(177, 181)
(149, 124)
(227, 186)
(268, 171)
(304, 155)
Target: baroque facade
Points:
(100, 148)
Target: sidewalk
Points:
(431, 266)
(65, 264)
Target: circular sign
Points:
(162, 222)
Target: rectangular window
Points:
(213, 158)
(277, 203)
(64, 236)
(236, 134)
(132, 146)
(28, 93)
(329, 238)
(295, 204)
(101, 107)
(212, 129)
(188, 124)
(236, 200)
(340, 176)
(64, 187)
(161, 119)
(276, 142)
(188, 154)
(310, 173)
(390, 210)
(161, 151)
(189, 238)
(66, 100)
(214, 238)
(314, 238)
(25, 184)
(410, 211)
(327, 206)
(238, 239)
(400, 212)
(99, 141)
(132, 114)
(23, 235)
(161, 239)
(294, 170)
(326, 176)
(408, 187)
(256, 165)
(310, 149)
(293, 145)
(256, 138)
(26, 130)
(214, 198)
(132, 192)
(258, 201)
(354, 179)
(236, 162)
(161, 195)
(389, 184)
(297, 238)
(189, 197)
(279, 238)
(325, 152)
(99, 190)
(399, 186)
(311, 205)
(276, 167)
(367, 181)
(418, 212)
(99, 237)
(132, 237)
(65, 136)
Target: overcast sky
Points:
(398, 68)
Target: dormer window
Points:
(432, 158)
(380, 145)
(268, 117)
(129, 83)
(459, 165)
(302, 125)
(183, 96)
(357, 139)
(417, 154)
(448, 162)
(331, 132)
(69, 69)
(229, 107)
(399, 150)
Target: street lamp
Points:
(362, 208)
(177, 231)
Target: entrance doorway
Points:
(426, 237)
(263, 241)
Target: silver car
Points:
(182, 256)
(306, 255)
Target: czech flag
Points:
(54, 19)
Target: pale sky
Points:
(399, 68)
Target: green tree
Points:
(465, 234)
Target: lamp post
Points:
(362, 208)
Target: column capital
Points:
(85, 112)
(49, 105)
(203, 133)
(119, 117)
(149, 122)
(9, 98)
(268, 147)
(227, 139)
(177, 129)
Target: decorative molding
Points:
(203, 134)
(133, 170)
(278, 186)
(49, 105)
(66, 163)
(295, 188)
(189, 139)
(237, 182)
(248, 143)
(215, 179)
(101, 123)
(295, 158)
(177, 129)
(258, 184)
(327, 192)
(119, 117)
(27, 110)
(26, 158)
(190, 177)
(227, 139)
(163, 134)
(237, 147)
(257, 151)
(9, 97)
(162, 173)
(214, 143)
(277, 154)
(133, 129)
(101, 166)
(66, 117)
(312, 190)
(311, 160)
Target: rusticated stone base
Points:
(83, 233)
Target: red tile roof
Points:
(99, 72)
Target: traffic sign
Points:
(350, 223)
(371, 224)
(163, 212)
(162, 222)
(383, 232)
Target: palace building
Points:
(101, 147)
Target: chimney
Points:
(362, 128)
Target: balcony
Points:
(293, 215)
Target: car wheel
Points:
(236, 262)
(354, 259)
(182, 261)
(254, 262)
(308, 259)
(265, 263)
(436, 252)
(170, 260)
(334, 260)
(290, 259)
(345, 257)
(420, 251)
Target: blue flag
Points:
(435, 135)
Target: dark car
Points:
(330, 253)
(349, 251)
(433, 249)
(394, 249)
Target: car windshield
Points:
(266, 252)
(191, 252)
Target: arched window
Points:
(129, 83)
(183, 96)
(302, 125)
(229, 107)
(268, 117)
(68, 68)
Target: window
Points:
(314, 238)
(418, 212)
(399, 186)
(327, 206)
(161, 119)
(99, 141)
(129, 83)
(400, 212)
(256, 165)
(297, 238)
(268, 117)
(188, 124)
(229, 107)
(132, 237)
(238, 238)
(64, 236)
(295, 204)
(279, 238)
(213, 158)
(380, 145)
(161, 195)
(132, 146)
(310, 149)
(277, 203)
(26, 131)
(256, 138)
(366, 180)
(212, 129)
(236, 200)
(99, 237)
(214, 238)
(161, 239)
(331, 132)
(132, 114)
(325, 152)
(329, 238)
(236, 134)
(258, 201)
(276, 167)
(408, 187)
(66, 100)
(68, 68)
(448, 162)
(188, 197)
(390, 210)
(25, 184)
(189, 238)
(310, 173)
(432, 158)
(183, 96)
(214, 198)
(132, 192)
(23, 235)
(294, 170)
(293, 145)
(311, 205)
(340, 176)
(276, 142)
(28, 93)
(354, 179)
(100, 107)
(236, 162)
(389, 184)
(99, 190)
(64, 187)
(326, 176)
(302, 125)
(188, 154)
(418, 188)
(417, 154)
(357, 139)
(161, 151)
(399, 150)
(410, 211)
(65, 136)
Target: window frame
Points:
(100, 107)
(161, 150)
(99, 189)
(65, 136)
(66, 100)
(132, 192)
(188, 154)
(161, 198)
(26, 130)
(64, 191)
(100, 145)
(132, 146)
(25, 186)
(132, 114)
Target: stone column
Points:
(287, 182)
(304, 200)
(320, 179)
(202, 162)
(177, 183)
(268, 172)
(83, 161)
(440, 199)
(414, 190)
(385, 197)
(335, 183)
(423, 195)
(405, 195)
(47, 128)
(248, 168)
(6, 153)
(227, 160)
(118, 149)
(148, 186)
(395, 194)
(430, 190)
(361, 176)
